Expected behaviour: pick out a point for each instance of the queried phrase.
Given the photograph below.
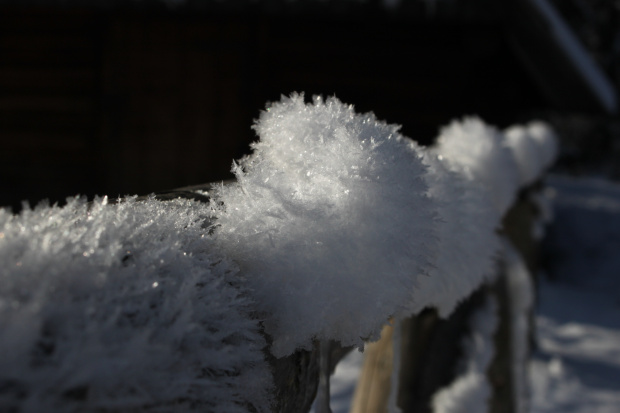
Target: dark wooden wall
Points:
(49, 117)
(104, 102)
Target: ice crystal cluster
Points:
(480, 153)
(466, 232)
(122, 307)
(330, 222)
(534, 147)
(336, 223)
(336, 217)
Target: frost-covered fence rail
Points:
(342, 223)
(431, 374)
(242, 299)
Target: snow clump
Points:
(121, 307)
(467, 238)
(534, 147)
(479, 152)
(526, 152)
(330, 222)
(543, 134)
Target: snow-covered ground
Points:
(576, 367)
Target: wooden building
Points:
(134, 97)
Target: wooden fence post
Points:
(373, 386)
(432, 347)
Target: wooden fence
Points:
(431, 347)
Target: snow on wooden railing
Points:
(336, 224)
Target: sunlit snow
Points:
(336, 223)
(123, 306)
(480, 152)
(330, 221)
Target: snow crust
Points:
(479, 152)
(330, 222)
(471, 390)
(123, 307)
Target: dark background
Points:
(130, 100)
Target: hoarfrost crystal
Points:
(102, 308)
(479, 152)
(468, 243)
(329, 220)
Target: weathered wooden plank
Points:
(500, 370)
(373, 387)
(296, 379)
(431, 350)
